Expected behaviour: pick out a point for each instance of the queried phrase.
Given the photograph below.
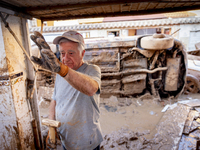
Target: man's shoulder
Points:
(91, 69)
(92, 66)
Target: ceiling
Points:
(46, 10)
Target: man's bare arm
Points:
(82, 82)
(52, 110)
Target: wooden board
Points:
(189, 120)
(170, 127)
(191, 103)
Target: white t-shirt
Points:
(78, 113)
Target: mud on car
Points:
(154, 64)
(193, 75)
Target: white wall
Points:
(185, 35)
(94, 33)
(66, 23)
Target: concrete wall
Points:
(15, 114)
(186, 36)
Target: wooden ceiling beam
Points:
(156, 6)
(138, 6)
(165, 5)
(112, 8)
(95, 11)
(130, 7)
(103, 9)
(86, 12)
(147, 6)
(90, 4)
(173, 5)
(13, 10)
(127, 13)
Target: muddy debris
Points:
(125, 139)
(139, 123)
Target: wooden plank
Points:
(191, 103)
(192, 114)
(195, 125)
(170, 127)
(197, 108)
(187, 143)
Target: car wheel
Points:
(191, 85)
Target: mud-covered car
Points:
(154, 64)
(193, 75)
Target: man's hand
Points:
(48, 59)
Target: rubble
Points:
(133, 128)
(170, 129)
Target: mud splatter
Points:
(11, 139)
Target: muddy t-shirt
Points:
(78, 113)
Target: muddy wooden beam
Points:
(170, 127)
(190, 118)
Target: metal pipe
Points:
(175, 31)
(134, 71)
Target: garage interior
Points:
(20, 110)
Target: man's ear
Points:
(83, 53)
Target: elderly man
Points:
(76, 94)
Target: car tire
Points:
(191, 85)
(157, 42)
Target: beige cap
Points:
(72, 36)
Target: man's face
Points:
(70, 55)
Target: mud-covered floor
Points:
(135, 114)
(133, 121)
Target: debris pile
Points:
(191, 133)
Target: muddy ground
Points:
(136, 123)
